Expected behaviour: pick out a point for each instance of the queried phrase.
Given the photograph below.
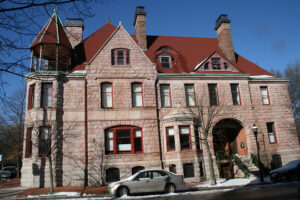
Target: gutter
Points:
(85, 136)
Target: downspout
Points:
(85, 136)
(158, 124)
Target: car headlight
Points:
(113, 185)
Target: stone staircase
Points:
(254, 172)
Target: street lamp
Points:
(261, 176)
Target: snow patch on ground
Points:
(233, 182)
(68, 194)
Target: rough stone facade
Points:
(79, 123)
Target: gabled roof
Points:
(187, 51)
(53, 33)
(88, 48)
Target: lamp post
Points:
(261, 176)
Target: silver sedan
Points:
(147, 181)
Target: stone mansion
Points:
(114, 103)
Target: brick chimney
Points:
(74, 28)
(224, 37)
(140, 27)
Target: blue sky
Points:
(266, 32)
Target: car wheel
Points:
(122, 191)
(170, 188)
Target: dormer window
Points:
(120, 57)
(206, 66)
(216, 63)
(165, 61)
(226, 66)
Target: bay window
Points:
(123, 139)
(46, 100)
(185, 137)
(44, 141)
(31, 96)
(137, 94)
(170, 139)
(28, 148)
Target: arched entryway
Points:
(229, 139)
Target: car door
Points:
(158, 181)
(141, 183)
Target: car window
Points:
(144, 175)
(157, 174)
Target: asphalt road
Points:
(11, 192)
(267, 192)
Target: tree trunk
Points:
(51, 174)
(211, 164)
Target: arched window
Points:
(123, 139)
(137, 169)
(120, 56)
(172, 168)
(112, 175)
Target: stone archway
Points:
(229, 138)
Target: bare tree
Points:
(12, 126)
(292, 72)
(205, 115)
(49, 138)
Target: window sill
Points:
(126, 66)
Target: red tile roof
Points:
(187, 51)
(88, 48)
(53, 32)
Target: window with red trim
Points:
(189, 94)
(271, 133)
(28, 148)
(185, 137)
(46, 100)
(265, 95)
(106, 95)
(44, 141)
(123, 139)
(120, 57)
(165, 95)
(31, 97)
(170, 139)
(213, 94)
(137, 94)
(235, 93)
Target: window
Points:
(213, 94)
(190, 95)
(112, 175)
(123, 139)
(206, 66)
(31, 97)
(165, 61)
(226, 67)
(165, 95)
(137, 94)
(170, 139)
(185, 137)
(216, 63)
(106, 95)
(28, 151)
(46, 95)
(265, 95)
(137, 169)
(271, 133)
(172, 168)
(235, 94)
(120, 57)
(44, 141)
(188, 170)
